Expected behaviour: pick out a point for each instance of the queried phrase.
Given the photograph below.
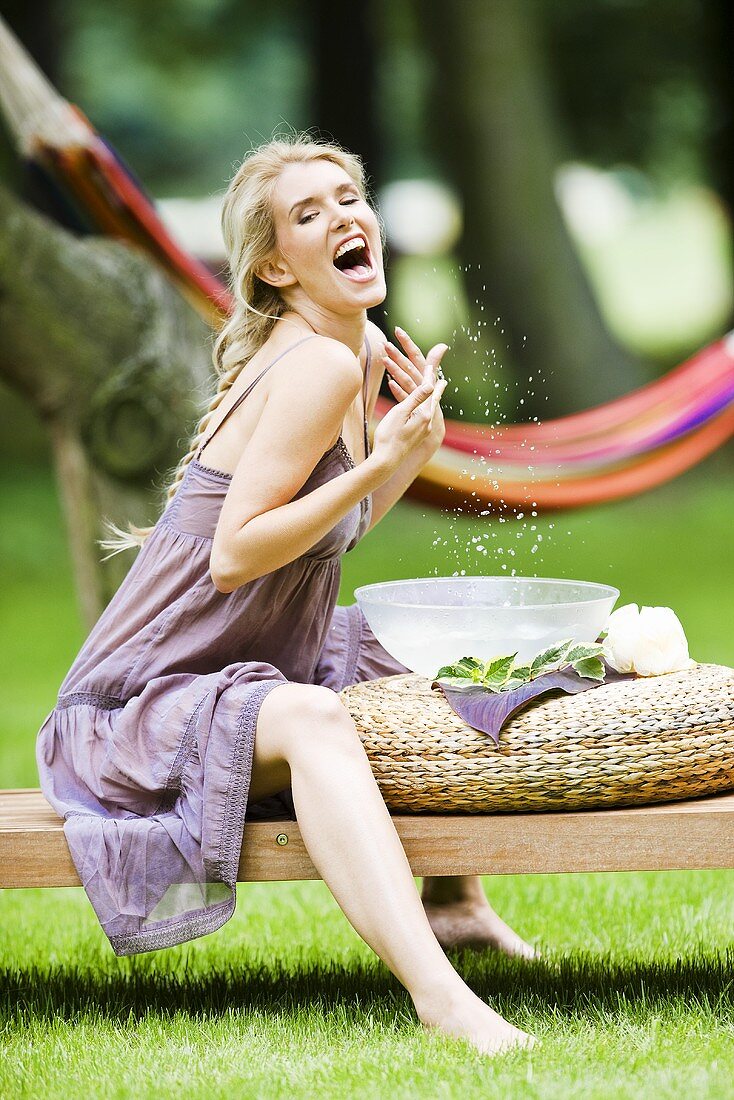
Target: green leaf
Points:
(583, 650)
(549, 658)
(592, 668)
(499, 674)
(498, 667)
(497, 670)
(445, 670)
(468, 664)
(459, 682)
(465, 667)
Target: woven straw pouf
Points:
(647, 740)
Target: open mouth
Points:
(353, 260)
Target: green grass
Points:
(632, 999)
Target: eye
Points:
(346, 201)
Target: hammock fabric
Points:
(611, 451)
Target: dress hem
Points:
(224, 867)
(135, 943)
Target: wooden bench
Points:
(670, 836)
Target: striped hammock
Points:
(611, 451)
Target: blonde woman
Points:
(208, 687)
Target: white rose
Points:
(619, 644)
(649, 641)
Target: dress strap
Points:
(236, 404)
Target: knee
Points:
(320, 707)
(308, 713)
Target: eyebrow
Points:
(339, 190)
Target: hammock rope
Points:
(619, 449)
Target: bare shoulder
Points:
(320, 363)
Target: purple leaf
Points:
(487, 711)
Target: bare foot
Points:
(468, 1017)
(474, 924)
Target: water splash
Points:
(502, 538)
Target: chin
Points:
(363, 297)
(378, 293)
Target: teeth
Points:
(356, 242)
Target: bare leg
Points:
(461, 916)
(352, 841)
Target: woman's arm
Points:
(261, 527)
(405, 374)
(390, 492)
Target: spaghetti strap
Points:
(249, 389)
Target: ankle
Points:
(452, 889)
(440, 999)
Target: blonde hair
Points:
(248, 229)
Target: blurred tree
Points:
(630, 79)
(344, 59)
(182, 87)
(113, 360)
(42, 29)
(500, 140)
(344, 56)
(719, 70)
(648, 84)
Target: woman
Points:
(208, 687)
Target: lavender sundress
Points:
(147, 754)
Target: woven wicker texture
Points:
(647, 740)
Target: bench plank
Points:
(668, 836)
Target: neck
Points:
(350, 329)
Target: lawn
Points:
(633, 997)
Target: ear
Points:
(276, 272)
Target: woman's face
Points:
(328, 239)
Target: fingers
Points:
(397, 390)
(419, 395)
(413, 360)
(411, 348)
(408, 380)
(438, 390)
(395, 359)
(436, 354)
(413, 353)
(409, 369)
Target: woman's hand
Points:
(406, 370)
(411, 424)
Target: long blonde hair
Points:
(248, 229)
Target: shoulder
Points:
(337, 359)
(323, 362)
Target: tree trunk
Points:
(116, 364)
(719, 76)
(499, 138)
(344, 60)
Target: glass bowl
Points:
(428, 622)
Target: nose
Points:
(342, 217)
